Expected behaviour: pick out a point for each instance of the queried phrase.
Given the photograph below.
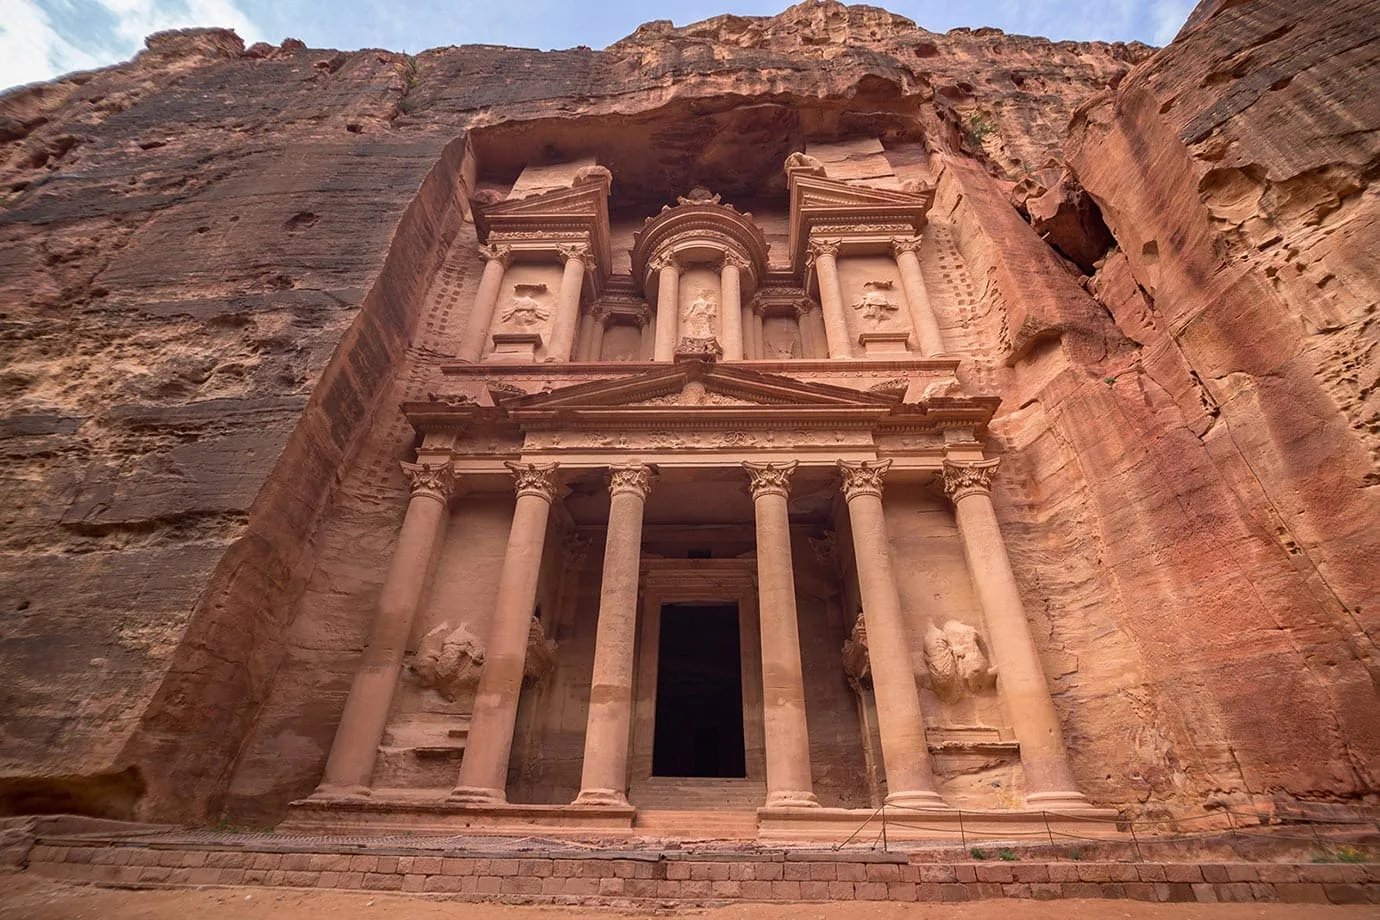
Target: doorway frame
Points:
(705, 581)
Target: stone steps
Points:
(685, 876)
(686, 793)
(696, 823)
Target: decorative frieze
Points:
(961, 479)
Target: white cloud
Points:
(32, 49)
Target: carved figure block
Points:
(449, 661)
(957, 661)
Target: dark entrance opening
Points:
(699, 693)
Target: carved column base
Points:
(340, 791)
(784, 799)
(477, 795)
(926, 800)
(608, 798)
(1058, 801)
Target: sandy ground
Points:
(24, 897)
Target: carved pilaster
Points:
(496, 252)
(962, 479)
(770, 478)
(436, 482)
(863, 477)
(537, 479)
(632, 478)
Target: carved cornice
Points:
(537, 479)
(969, 478)
(630, 479)
(863, 477)
(433, 481)
(900, 244)
(770, 478)
(496, 252)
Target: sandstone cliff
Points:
(214, 264)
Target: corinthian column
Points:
(484, 769)
(351, 762)
(731, 305)
(823, 256)
(1049, 779)
(917, 296)
(482, 315)
(568, 302)
(667, 308)
(604, 778)
(783, 686)
(909, 776)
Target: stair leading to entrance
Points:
(668, 822)
(685, 793)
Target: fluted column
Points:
(568, 302)
(351, 762)
(484, 769)
(922, 316)
(909, 775)
(783, 686)
(667, 309)
(485, 301)
(1049, 781)
(823, 256)
(604, 777)
(731, 305)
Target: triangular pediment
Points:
(820, 192)
(587, 199)
(696, 386)
(555, 215)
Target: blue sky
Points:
(40, 39)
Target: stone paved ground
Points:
(25, 897)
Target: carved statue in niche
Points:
(874, 305)
(449, 661)
(700, 315)
(957, 661)
(525, 310)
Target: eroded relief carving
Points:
(449, 661)
(957, 661)
(525, 310)
(874, 305)
(700, 316)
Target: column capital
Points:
(821, 247)
(581, 251)
(736, 259)
(630, 478)
(496, 252)
(863, 477)
(968, 478)
(900, 244)
(665, 260)
(537, 479)
(438, 482)
(770, 478)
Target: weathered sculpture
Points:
(957, 662)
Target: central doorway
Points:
(699, 693)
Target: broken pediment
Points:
(824, 207)
(553, 217)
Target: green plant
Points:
(1348, 854)
(1075, 854)
(225, 826)
(1007, 855)
(977, 128)
(1110, 381)
(977, 854)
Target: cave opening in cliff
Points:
(699, 693)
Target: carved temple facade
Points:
(704, 527)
